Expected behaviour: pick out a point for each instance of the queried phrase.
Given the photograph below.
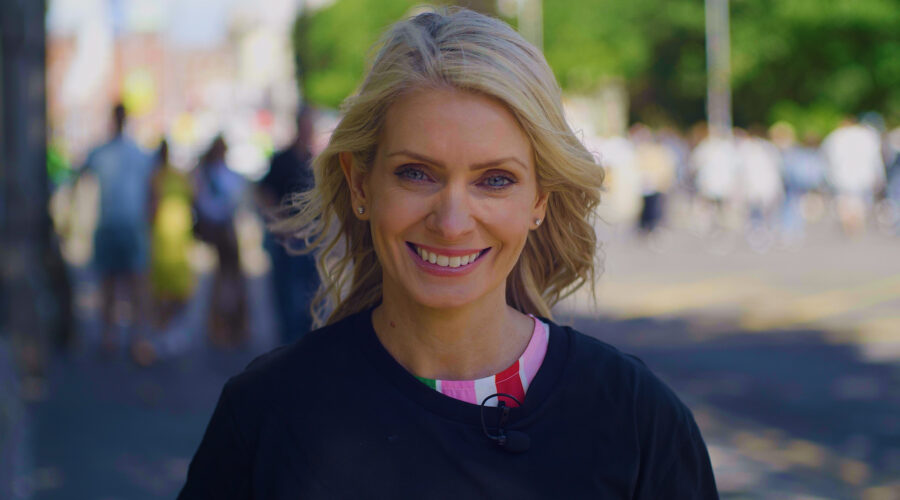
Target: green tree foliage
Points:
(812, 61)
(332, 45)
(806, 61)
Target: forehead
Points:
(454, 126)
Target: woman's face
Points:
(450, 198)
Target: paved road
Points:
(789, 357)
(792, 404)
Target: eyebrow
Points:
(476, 166)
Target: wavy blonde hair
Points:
(461, 49)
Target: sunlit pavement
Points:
(788, 359)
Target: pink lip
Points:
(437, 270)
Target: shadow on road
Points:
(784, 412)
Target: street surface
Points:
(788, 358)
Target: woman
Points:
(460, 197)
(219, 192)
(171, 278)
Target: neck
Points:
(464, 343)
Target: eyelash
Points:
(508, 181)
(404, 173)
(407, 172)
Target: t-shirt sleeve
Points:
(680, 469)
(221, 466)
(674, 459)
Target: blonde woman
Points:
(450, 214)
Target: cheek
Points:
(509, 220)
(394, 211)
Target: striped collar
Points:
(514, 380)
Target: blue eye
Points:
(411, 173)
(497, 181)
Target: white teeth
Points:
(445, 260)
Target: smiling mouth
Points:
(451, 261)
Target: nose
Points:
(451, 215)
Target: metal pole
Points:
(531, 21)
(718, 68)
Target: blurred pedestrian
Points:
(892, 193)
(122, 171)
(622, 202)
(680, 150)
(218, 194)
(656, 165)
(855, 171)
(171, 277)
(803, 174)
(715, 165)
(760, 186)
(294, 276)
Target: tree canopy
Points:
(806, 61)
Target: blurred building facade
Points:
(187, 70)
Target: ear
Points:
(540, 208)
(356, 183)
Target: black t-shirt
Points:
(335, 416)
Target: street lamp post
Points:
(718, 68)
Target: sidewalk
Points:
(109, 429)
(14, 430)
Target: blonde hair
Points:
(460, 49)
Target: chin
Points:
(447, 299)
(447, 302)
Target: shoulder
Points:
(281, 156)
(674, 462)
(276, 165)
(293, 365)
(99, 151)
(625, 380)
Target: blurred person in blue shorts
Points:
(121, 238)
(803, 173)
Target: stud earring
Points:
(361, 210)
(537, 222)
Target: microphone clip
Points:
(511, 441)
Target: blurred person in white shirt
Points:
(855, 171)
(622, 202)
(715, 165)
(760, 184)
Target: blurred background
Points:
(751, 222)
